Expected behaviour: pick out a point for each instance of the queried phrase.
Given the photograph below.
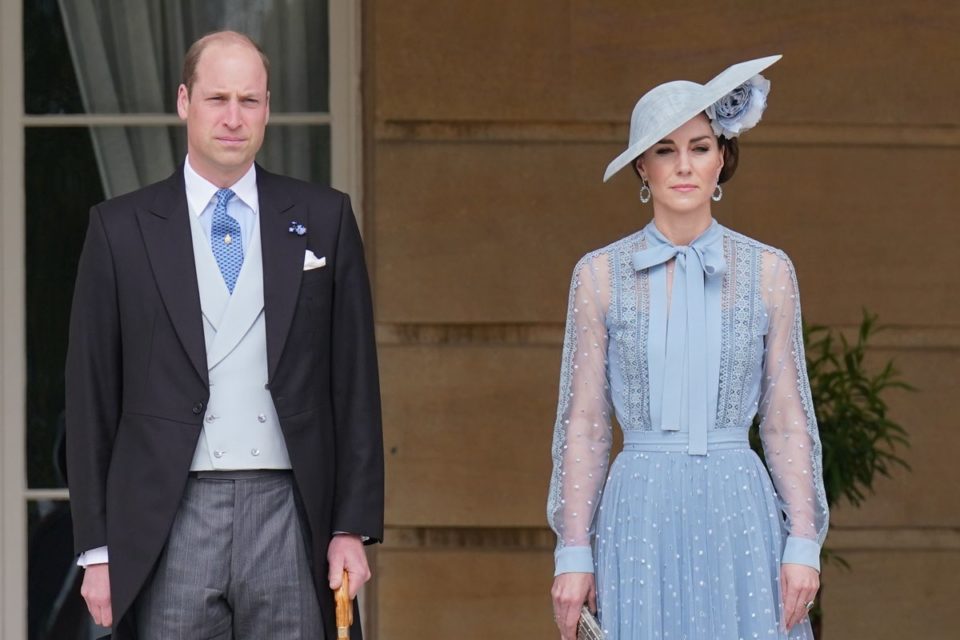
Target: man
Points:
(225, 454)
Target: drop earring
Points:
(645, 191)
(717, 194)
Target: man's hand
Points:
(96, 592)
(570, 592)
(346, 552)
(799, 584)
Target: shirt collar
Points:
(200, 191)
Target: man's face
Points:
(226, 111)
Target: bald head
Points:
(192, 58)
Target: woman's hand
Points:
(798, 584)
(570, 591)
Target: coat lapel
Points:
(282, 262)
(166, 235)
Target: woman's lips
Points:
(684, 188)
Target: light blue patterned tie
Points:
(226, 240)
(685, 393)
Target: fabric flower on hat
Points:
(740, 109)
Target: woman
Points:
(686, 330)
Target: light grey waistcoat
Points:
(241, 429)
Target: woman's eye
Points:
(701, 149)
(663, 152)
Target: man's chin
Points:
(233, 161)
(230, 151)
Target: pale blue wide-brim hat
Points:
(668, 106)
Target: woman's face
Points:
(683, 168)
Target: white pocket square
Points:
(311, 261)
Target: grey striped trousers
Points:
(235, 566)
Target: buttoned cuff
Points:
(802, 551)
(573, 560)
(93, 556)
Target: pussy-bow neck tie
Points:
(686, 400)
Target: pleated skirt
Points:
(689, 547)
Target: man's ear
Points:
(268, 109)
(183, 101)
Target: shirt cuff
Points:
(347, 533)
(802, 551)
(573, 560)
(93, 556)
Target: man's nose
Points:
(232, 116)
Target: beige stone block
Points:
(467, 595)
(449, 593)
(865, 227)
(841, 61)
(486, 233)
(467, 425)
(883, 62)
(892, 595)
(471, 59)
(467, 434)
(927, 496)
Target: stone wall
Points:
(488, 124)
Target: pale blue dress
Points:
(685, 345)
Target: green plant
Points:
(858, 437)
(850, 399)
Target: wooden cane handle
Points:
(344, 608)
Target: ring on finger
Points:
(809, 605)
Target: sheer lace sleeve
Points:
(582, 434)
(788, 426)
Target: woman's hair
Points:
(730, 149)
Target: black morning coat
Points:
(137, 387)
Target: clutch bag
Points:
(588, 628)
